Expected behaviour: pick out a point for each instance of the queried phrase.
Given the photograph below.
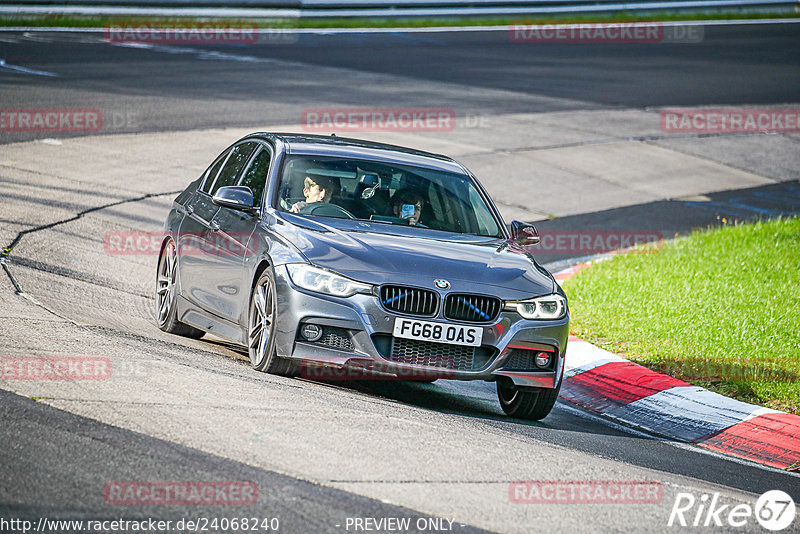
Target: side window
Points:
(212, 172)
(255, 177)
(484, 219)
(233, 167)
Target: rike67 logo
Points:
(774, 510)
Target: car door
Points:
(199, 235)
(233, 240)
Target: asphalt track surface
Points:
(186, 87)
(323, 452)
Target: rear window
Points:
(255, 177)
(211, 173)
(232, 169)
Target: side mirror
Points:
(236, 197)
(523, 236)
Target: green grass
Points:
(719, 308)
(78, 21)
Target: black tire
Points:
(261, 321)
(166, 276)
(526, 403)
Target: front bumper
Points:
(359, 335)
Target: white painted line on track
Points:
(200, 52)
(25, 70)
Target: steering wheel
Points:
(326, 209)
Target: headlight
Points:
(322, 281)
(547, 307)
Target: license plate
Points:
(438, 332)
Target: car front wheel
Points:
(261, 331)
(526, 403)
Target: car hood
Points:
(381, 254)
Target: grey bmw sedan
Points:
(339, 258)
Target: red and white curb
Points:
(613, 387)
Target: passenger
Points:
(408, 204)
(317, 189)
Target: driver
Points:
(408, 204)
(318, 188)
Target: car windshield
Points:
(320, 186)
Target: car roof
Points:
(325, 145)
